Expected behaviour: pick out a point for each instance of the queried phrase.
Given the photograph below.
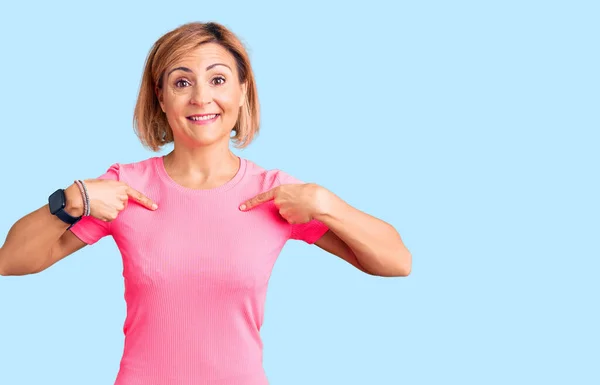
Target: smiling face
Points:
(201, 96)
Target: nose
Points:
(201, 95)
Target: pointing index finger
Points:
(259, 199)
(141, 198)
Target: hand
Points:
(297, 203)
(107, 199)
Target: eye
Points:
(219, 80)
(182, 83)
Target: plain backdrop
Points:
(470, 126)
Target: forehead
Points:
(205, 55)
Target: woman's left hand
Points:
(297, 203)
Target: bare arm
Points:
(331, 243)
(40, 239)
(368, 243)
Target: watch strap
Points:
(67, 218)
(57, 204)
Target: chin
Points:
(201, 135)
(208, 140)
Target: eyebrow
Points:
(186, 69)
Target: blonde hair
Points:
(149, 121)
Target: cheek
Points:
(229, 98)
(175, 101)
(230, 106)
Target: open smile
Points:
(203, 118)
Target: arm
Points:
(368, 243)
(40, 239)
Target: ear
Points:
(159, 95)
(244, 92)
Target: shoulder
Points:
(131, 170)
(269, 177)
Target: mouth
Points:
(203, 118)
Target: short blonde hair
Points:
(149, 121)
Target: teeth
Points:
(205, 117)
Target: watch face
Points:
(56, 201)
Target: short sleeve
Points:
(89, 229)
(309, 232)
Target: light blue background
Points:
(470, 126)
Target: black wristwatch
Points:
(57, 202)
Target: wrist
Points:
(325, 203)
(74, 201)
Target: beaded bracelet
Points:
(78, 183)
(85, 196)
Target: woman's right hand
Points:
(107, 199)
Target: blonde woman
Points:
(200, 228)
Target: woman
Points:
(199, 229)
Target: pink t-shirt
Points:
(196, 272)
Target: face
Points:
(202, 96)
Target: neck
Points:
(203, 165)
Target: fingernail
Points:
(154, 206)
(243, 207)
